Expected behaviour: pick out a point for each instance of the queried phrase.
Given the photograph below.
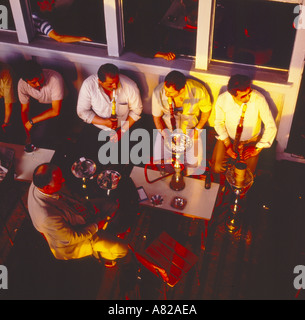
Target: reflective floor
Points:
(255, 262)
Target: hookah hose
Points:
(154, 167)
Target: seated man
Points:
(185, 102)
(102, 93)
(6, 92)
(229, 106)
(72, 229)
(41, 93)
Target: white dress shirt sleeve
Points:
(269, 126)
(220, 119)
(135, 104)
(84, 108)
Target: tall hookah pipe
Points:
(113, 106)
(236, 142)
(171, 109)
(239, 130)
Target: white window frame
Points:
(206, 13)
(115, 33)
(23, 20)
(204, 34)
(114, 27)
(26, 31)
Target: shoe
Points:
(110, 263)
(123, 234)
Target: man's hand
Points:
(231, 152)
(28, 126)
(4, 125)
(114, 123)
(194, 134)
(103, 223)
(165, 55)
(250, 151)
(110, 123)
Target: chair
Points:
(167, 259)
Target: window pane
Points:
(160, 25)
(74, 17)
(254, 32)
(6, 20)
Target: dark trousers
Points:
(48, 133)
(89, 146)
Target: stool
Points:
(167, 259)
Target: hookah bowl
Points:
(83, 169)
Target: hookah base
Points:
(177, 186)
(233, 224)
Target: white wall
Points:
(75, 67)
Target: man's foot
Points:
(110, 263)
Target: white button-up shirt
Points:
(93, 101)
(228, 114)
(53, 89)
(196, 100)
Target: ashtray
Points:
(178, 203)
(29, 148)
(156, 200)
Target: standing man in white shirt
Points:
(41, 93)
(95, 104)
(254, 137)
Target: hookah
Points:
(239, 177)
(84, 169)
(177, 143)
(113, 107)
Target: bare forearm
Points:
(101, 121)
(66, 38)
(203, 119)
(159, 123)
(48, 114)
(128, 123)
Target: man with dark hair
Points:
(240, 101)
(187, 101)
(73, 229)
(109, 70)
(175, 79)
(44, 90)
(109, 101)
(99, 91)
(238, 82)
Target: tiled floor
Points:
(255, 263)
